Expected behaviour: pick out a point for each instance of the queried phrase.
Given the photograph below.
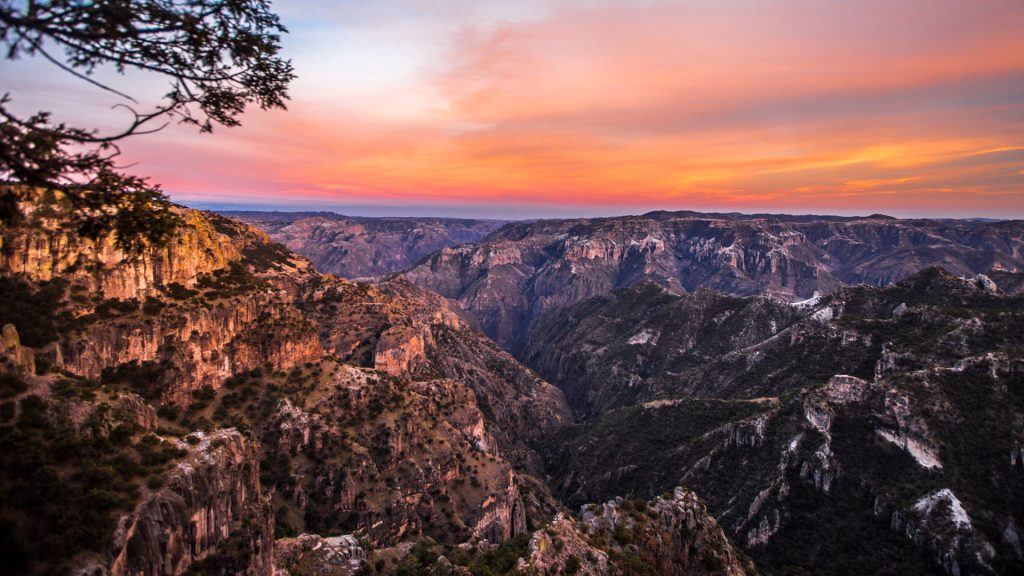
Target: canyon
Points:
(214, 406)
(673, 393)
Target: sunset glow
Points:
(912, 108)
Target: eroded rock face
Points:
(672, 534)
(396, 460)
(18, 357)
(202, 345)
(211, 497)
(402, 329)
(217, 299)
(527, 269)
(45, 251)
(560, 546)
(311, 554)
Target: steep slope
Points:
(526, 269)
(894, 413)
(320, 399)
(673, 534)
(90, 482)
(358, 451)
(360, 247)
(607, 350)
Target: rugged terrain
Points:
(358, 247)
(896, 413)
(524, 270)
(672, 534)
(214, 406)
(607, 351)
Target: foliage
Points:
(219, 56)
(62, 489)
(37, 312)
(146, 377)
(423, 558)
(11, 385)
(232, 280)
(265, 256)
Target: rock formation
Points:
(672, 534)
(212, 497)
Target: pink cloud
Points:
(786, 105)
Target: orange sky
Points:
(910, 107)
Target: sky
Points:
(560, 108)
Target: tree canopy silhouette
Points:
(219, 56)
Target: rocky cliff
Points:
(673, 534)
(386, 459)
(894, 412)
(400, 328)
(194, 398)
(217, 299)
(357, 247)
(212, 499)
(523, 270)
(95, 486)
(607, 351)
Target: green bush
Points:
(145, 377)
(38, 313)
(11, 385)
(153, 306)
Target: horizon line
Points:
(533, 213)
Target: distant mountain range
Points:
(363, 247)
(523, 270)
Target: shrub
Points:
(37, 313)
(11, 385)
(153, 306)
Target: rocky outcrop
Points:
(402, 349)
(394, 460)
(314, 555)
(201, 344)
(212, 496)
(672, 535)
(216, 299)
(19, 358)
(402, 329)
(561, 548)
(44, 250)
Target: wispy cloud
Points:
(785, 104)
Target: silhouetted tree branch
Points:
(220, 56)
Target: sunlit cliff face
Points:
(913, 107)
